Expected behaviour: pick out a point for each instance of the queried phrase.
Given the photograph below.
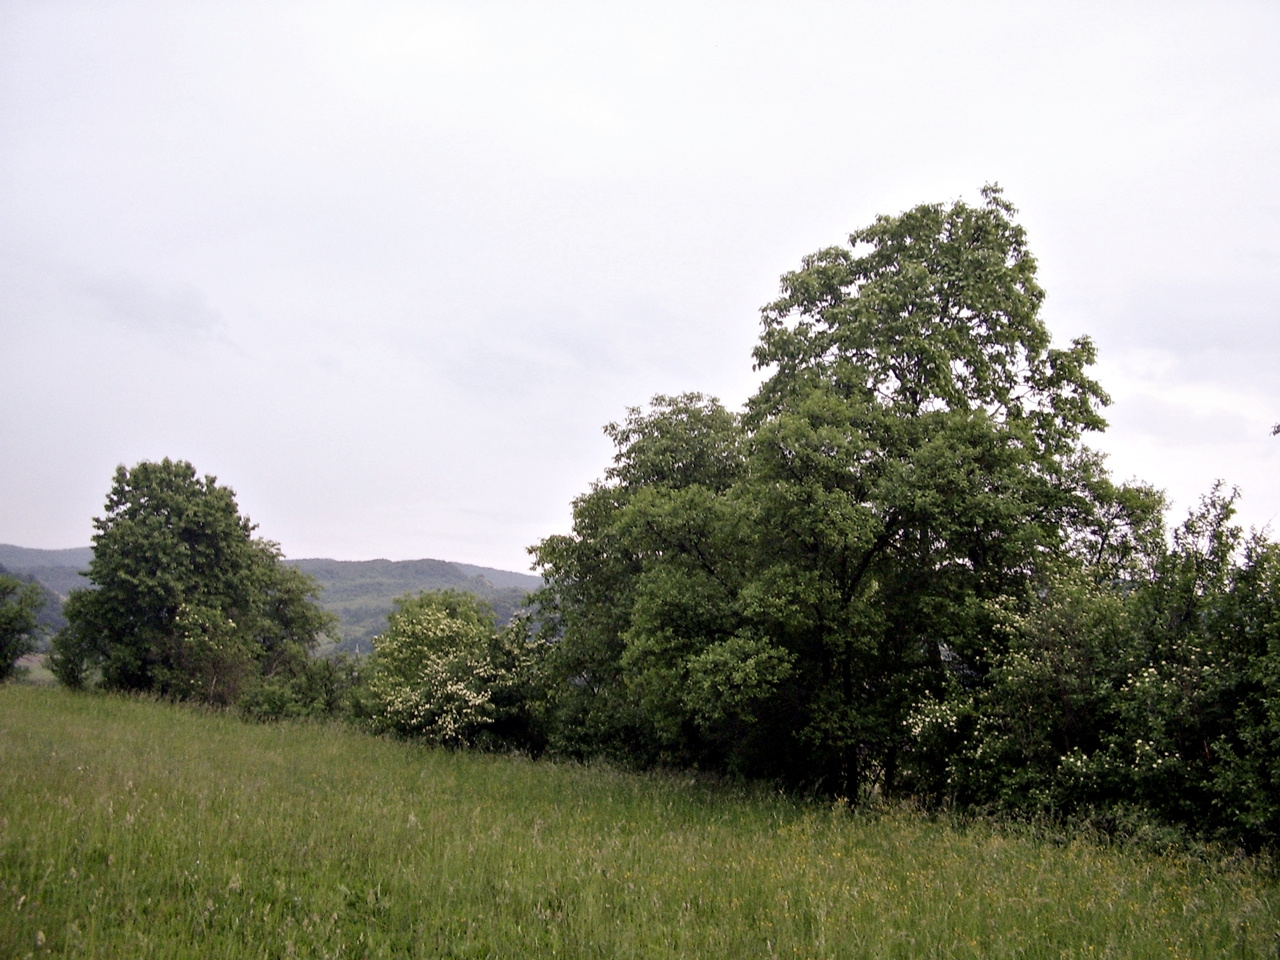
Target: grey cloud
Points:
(387, 268)
(176, 315)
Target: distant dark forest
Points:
(359, 592)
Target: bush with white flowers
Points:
(445, 672)
(431, 675)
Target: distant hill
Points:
(58, 570)
(360, 592)
(49, 617)
(14, 557)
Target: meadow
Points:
(134, 828)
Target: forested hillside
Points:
(359, 592)
(49, 616)
(59, 570)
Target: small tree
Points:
(18, 605)
(444, 672)
(189, 603)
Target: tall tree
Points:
(916, 452)
(187, 602)
(774, 594)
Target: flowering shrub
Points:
(1161, 693)
(431, 677)
(444, 672)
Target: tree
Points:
(187, 602)
(773, 593)
(640, 584)
(1159, 690)
(444, 672)
(19, 603)
(917, 454)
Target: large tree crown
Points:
(187, 601)
(937, 308)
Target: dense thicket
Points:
(900, 570)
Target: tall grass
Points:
(137, 829)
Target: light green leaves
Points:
(442, 671)
(430, 676)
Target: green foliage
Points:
(646, 581)
(313, 689)
(900, 570)
(48, 606)
(1197, 738)
(19, 604)
(1156, 692)
(443, 671)
(230, 840)
(916, 454)
(188, 604)
(1047, 700)
(772, 594)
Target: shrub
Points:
(315, 689)
(442, 671)
(18, 605)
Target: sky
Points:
(387, 269)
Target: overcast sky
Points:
(386, 269)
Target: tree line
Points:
(898, 571)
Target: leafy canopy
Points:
(187, 602)
(772, 593)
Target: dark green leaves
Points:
(772, 594)
(19, 603)
(187, 602)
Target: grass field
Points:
(138, 829)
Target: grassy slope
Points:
(136, 829)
